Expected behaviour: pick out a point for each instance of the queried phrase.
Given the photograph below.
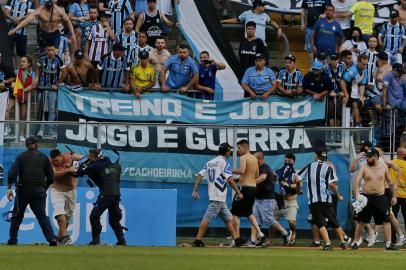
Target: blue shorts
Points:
(263, 212)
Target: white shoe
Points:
(401, 241)
(7, 130)
(372, 239)
(40, 133)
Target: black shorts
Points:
(389, 195)
(334, 206)
(243, 208)
(47, 38)
(377, 207)
(322, 213)
(352, 101)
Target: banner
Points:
(149, 215)
(3, 108)
(163, 107)
(383, 7)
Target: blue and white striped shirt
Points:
(113, 71)
(50, 69)
(120, 10)
(290, 80)
(129, 42)
(372, 65)
(336, 74)
(19, 8)
(393, 37)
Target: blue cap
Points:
(317, 65)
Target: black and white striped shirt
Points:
(319, 176)
(372, 60)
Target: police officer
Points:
(106, 176)
(31, 167)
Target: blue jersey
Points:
(355, 77)
(336, 74)
(180, 72)
(129, 42)
(207, 77)
(63, 47)
(325, 36)
(19, 8)
(79, 10)
(120, 10)
(393, 37)
(260, 81)
(113, 71)
(141, 6)
(86, 27)
(133, 58)
(49, 69)
(290, 80)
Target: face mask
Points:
(356, 38)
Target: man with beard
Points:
(49, 17)
(374, 174)
(158, 56)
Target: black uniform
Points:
(153, 26)
(248, 50)
(31, 167)
(106, 176)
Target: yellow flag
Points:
(17, 86)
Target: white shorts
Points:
(63, 203)
(289, 212)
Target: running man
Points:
(249, 172)
(375, 174)
(63, 192)
(218, 173)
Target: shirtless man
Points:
(76, 74)
(158, 57)
(63, 191)
(249, 172)
(49, 16)
(375, 174)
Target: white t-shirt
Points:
(349, 44)
(165, 6)
(343, 7)
(261, 20)
(216, 184)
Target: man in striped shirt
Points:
(87, 25)
(114, 70)
(49, 67)
(16, 11)
(128, 38)
(290, 79)
(142, 46)
(321, 179)
(120, 10)
(392, 38)
(98, 43)
(372, 54)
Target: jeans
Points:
(308, 38)
(48, 100)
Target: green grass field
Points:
(179, 258)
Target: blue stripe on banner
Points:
(159, 107)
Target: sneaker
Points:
(260, 240)
(40, 134)
(286, 238)
(392, 247)
(314, 244)
(372, 239)
(401, 241)
(347, 239)
(53, 244)
(354, 246)
(292, 242)
(238, 242)
(94, 243)
(328, 247)
(249, 243)
(11, 242)
(198, 243)
(344, 245)
(66, 241)
(7, 131)
(121, 242)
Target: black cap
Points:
(31, 140)
(321, 152)
(143, 55)
(105, 14)
(398, 67)
(118, 47)
(257, 3)
(79, 54)
(224, 148)
(290, 57)
(383, 56)
(373, 152)
(365, 143)
(394, 14)
(259, 56)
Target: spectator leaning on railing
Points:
(142, 76)
(183, 71)
(335, 71)
(290, 78)
(114, 70)
(317, 83)
(259, 79)
(207, 76)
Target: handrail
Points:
(115, 89)
(269, 28)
